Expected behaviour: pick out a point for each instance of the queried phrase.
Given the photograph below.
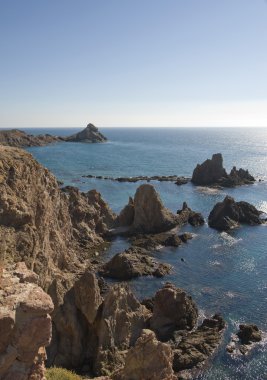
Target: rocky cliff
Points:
(18, 138)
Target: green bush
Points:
(61, 374)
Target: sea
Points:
(224, 272)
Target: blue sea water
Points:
(224, 273)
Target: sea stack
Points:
(90, 134)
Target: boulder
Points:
(148, 359)
(228, 214)
(150, 215)
(249, 333)
(133, 262)
(189, 216)
(173, 310)
(90, 134)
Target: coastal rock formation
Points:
(133, 262)
(157, 241)
(161, 178)
(25, 325)
(42, 225)
(20, 139)
(120, 324)
(249, 333)
(192, 349)
(90, 134)
(189, 216)
(147, 214)
(173, 310)
(212, 172)
(148, 359)
(228, 214)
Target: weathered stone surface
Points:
(25, 327)
(90, 134)
(150, 215)
(120, 325)
(194, 348)
(173, 310)
(148, 359)
(126, 216)
(249, 333)
(19, 139)
(133, 262)
(228, 214)
(212, 172)
(157, 241)
(189, 216)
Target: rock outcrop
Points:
(21, 139)
(148, 359)
(212, 172)
(90, 134)
(173, 310)
(133, 262)
(249, 333)
(42, 225)
(194, 348)
(161, 178)
(156, 241)
(25, 325)
(229, 214)
(126, 216)
(189, 216)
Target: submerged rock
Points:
(173, 310)
(212, 172)
(90, 134)
(133, 262)
(126, 216)
(228, 214)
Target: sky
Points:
(141, 63)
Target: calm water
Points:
(224, 273)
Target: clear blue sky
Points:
(133, 63)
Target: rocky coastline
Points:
(55, 303)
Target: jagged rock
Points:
(120, 325)
(155, 241)
(189, 216)
(19, 139)
(228, 214)
(148, 359)
(126, 216)
(173, 310)
(133, 262)
(90, 134)
(42, 225)
(25, 327)
(192, 349)
(249, 333)
(212, 172)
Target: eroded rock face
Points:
(126, 216)
(120, 325)
(42, 225)
(20, 139)
(133, 262)
(228, 214)
(148, 359)
(249, 333)
(173, 310)
(90, 134)
(212, 172)
(194, 348)
(25, 326)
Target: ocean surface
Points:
(225, 273)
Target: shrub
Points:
(55, 373)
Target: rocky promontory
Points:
(212, 173)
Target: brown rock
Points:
(210, 171)
(249, 333)
(90, 134)
(20, 139)
(148, 359)
(173, 310)
(126, 216)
